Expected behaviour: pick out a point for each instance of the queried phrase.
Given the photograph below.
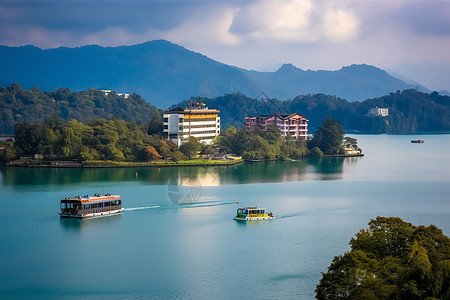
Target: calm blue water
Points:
(195, 250)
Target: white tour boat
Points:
(90, 206)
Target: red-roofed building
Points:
(294, 125)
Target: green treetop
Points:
(391, 260)
(328, 137)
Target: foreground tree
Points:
(391, 260)
(328, 137)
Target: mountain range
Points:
(165, 73)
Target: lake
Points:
(177, 238)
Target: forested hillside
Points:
(33, 106)
(409, 111)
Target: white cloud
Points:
(296, 21)
(275, 19)
(206, 27)
(340, 25)
(34, 35)
(111, 36)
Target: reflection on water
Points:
(76, 225)
(329, 168)
(271, 171)
(71, 224)
(184, 189)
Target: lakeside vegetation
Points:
(118, 143)
(257, 144)
(99, 139)
(392, 259)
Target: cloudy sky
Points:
(410, 38)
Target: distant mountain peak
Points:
(361, 67)
(288, 67)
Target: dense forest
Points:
(392, 259)
(33, 106)
(410, 111)
(117, 140)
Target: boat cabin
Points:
(252, 213)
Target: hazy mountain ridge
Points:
(165, 73)
(354, 83)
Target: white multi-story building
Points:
(107, 92)
(197, 121)
(377, 111)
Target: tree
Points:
(105, 139)
(258, 149)
(70, 145)
(29, 138)
(156, 124)
(316, 152)
(329, 137)
(231, 130)
(272, 134)
(391, 260)
(191, 147)
(8, 153)
(208, 150)
(152, 154)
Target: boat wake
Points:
(180, 205)
(287, 216)
(205, 204)
(140, 208)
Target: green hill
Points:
(33, 106)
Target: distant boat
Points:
(417, 141)
(252, 214)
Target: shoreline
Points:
(114, 164)
(306, 157)
(194, 163)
